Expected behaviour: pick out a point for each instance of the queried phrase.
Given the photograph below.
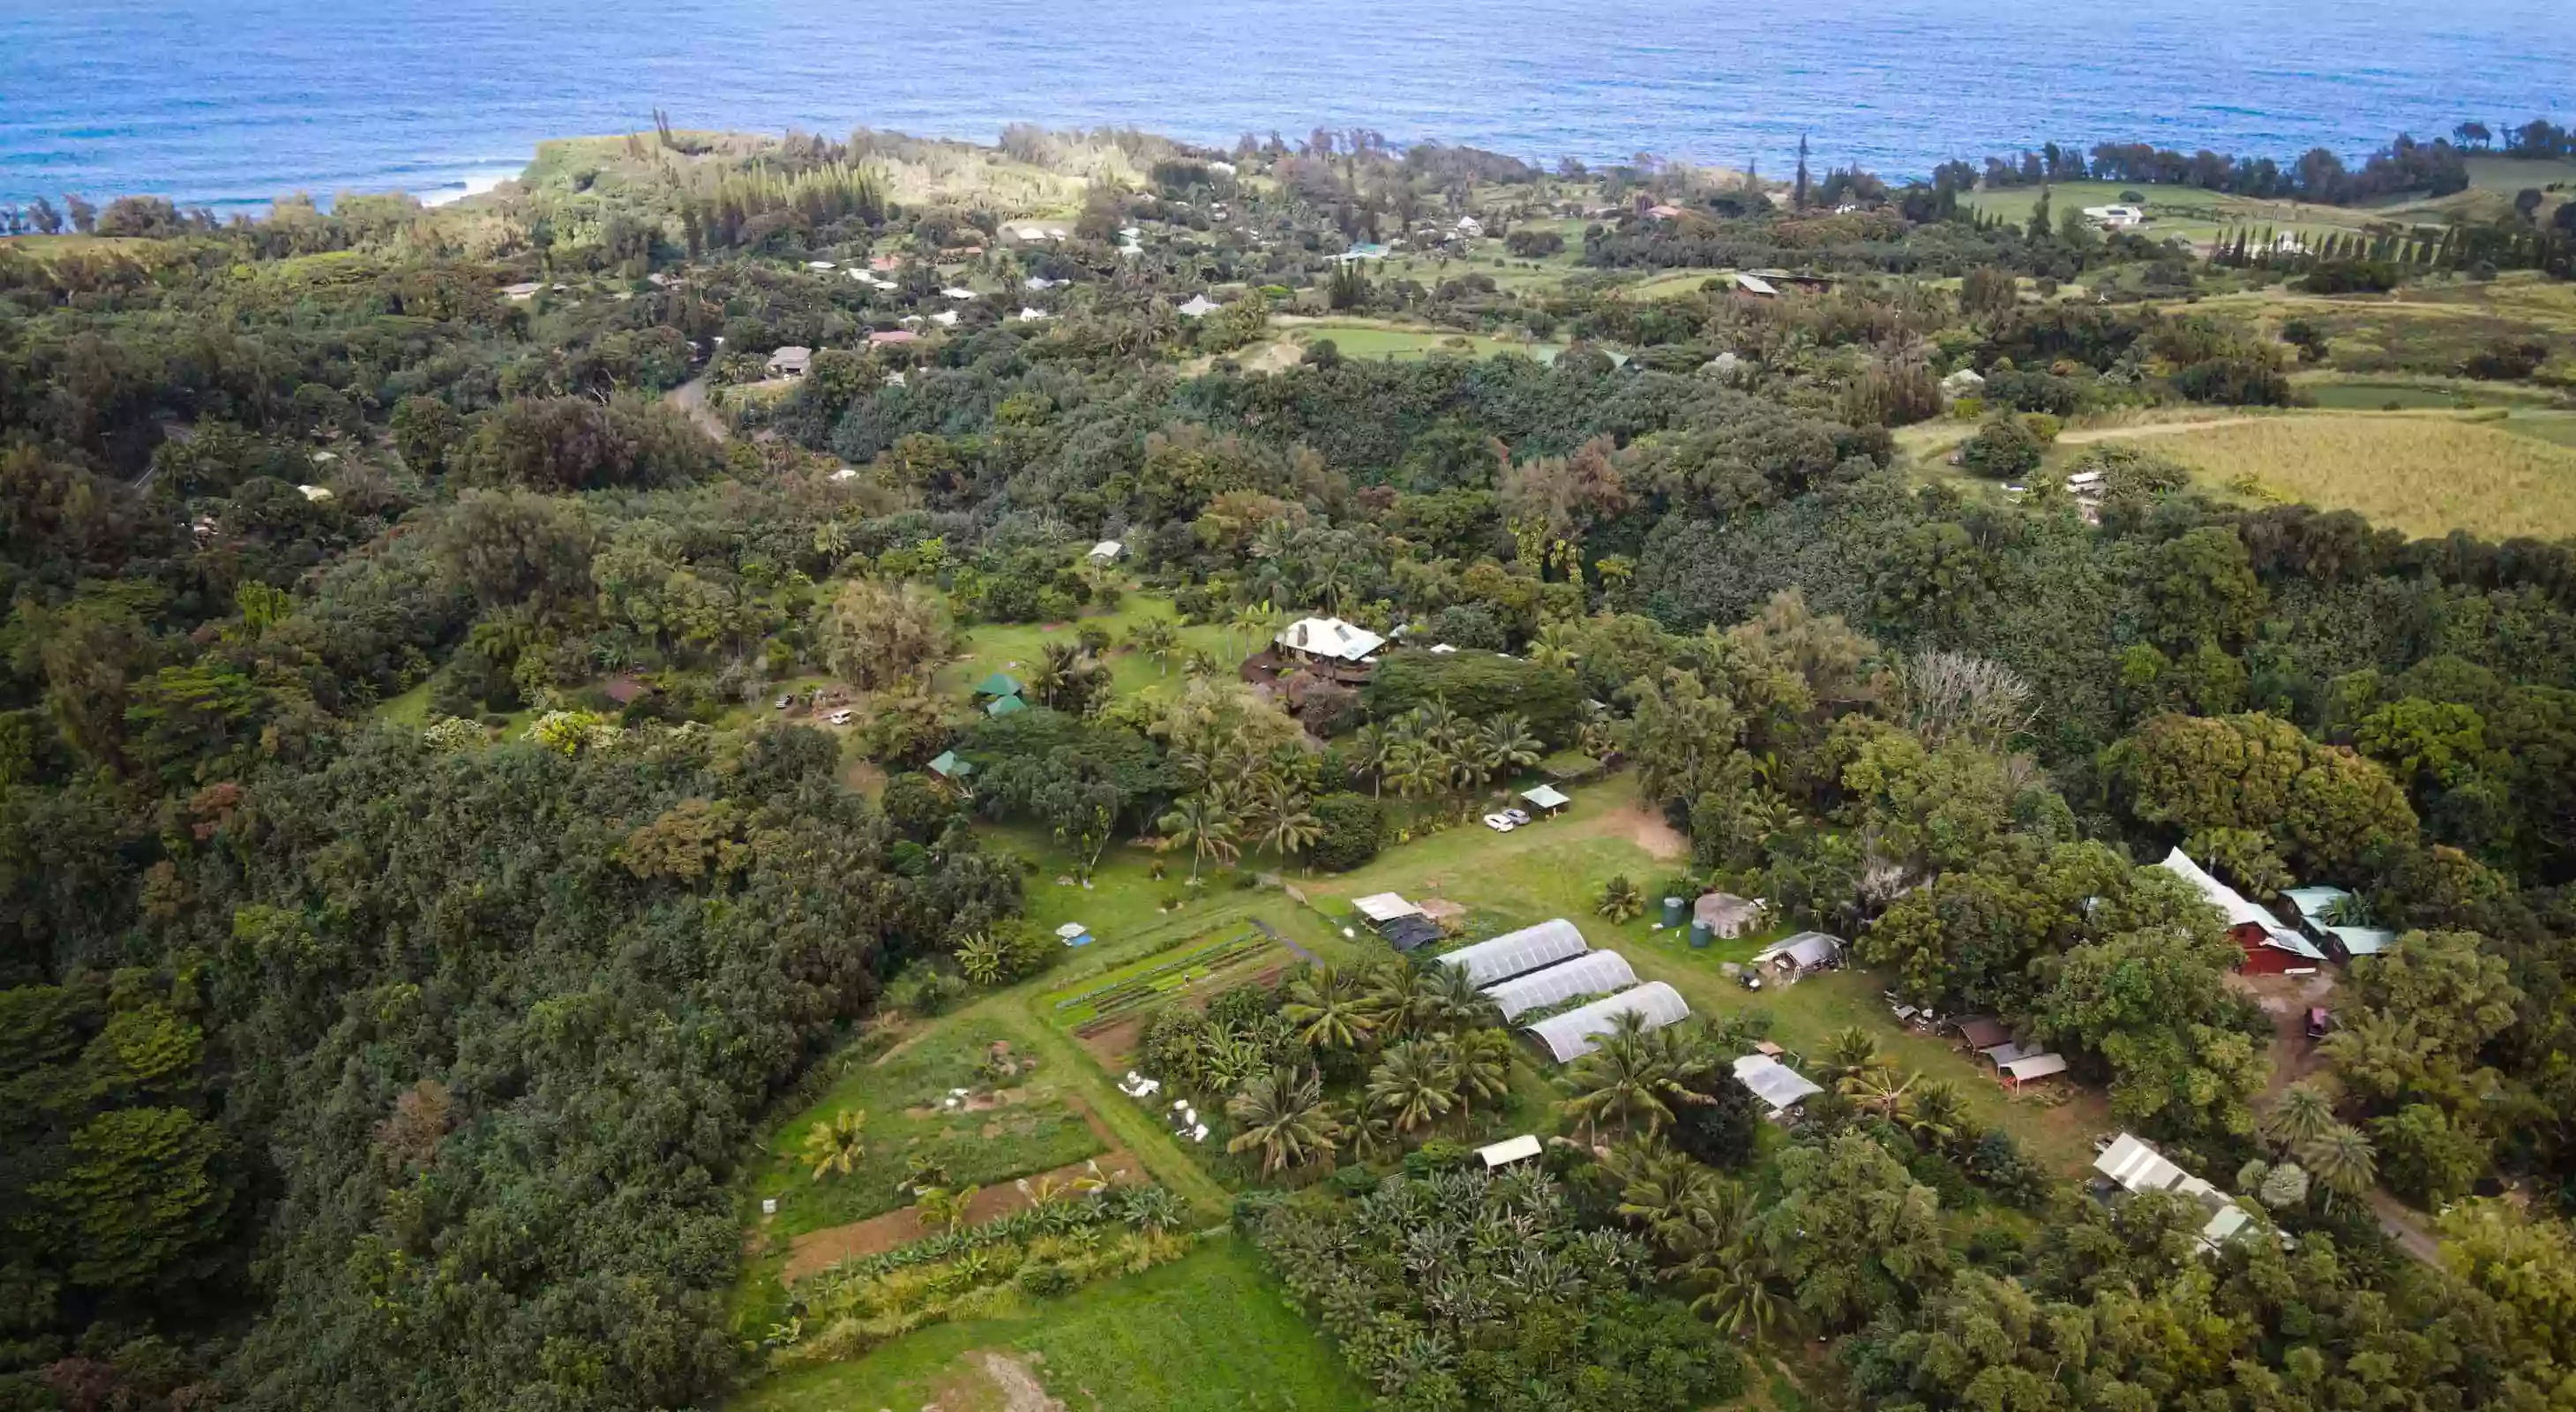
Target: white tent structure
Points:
(1593, 973)
(1509, 1150)
(1518, 953)
(1573, 1034)
(1780, 1087)
(1330, 638)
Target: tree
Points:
(2201, 588)
(1283, 1114)
(1286, 824)
(879, 633)
(2329, 811)
(2426, 1157)
(834, 1146)
(1157, 638)
(2342, 1160)
(1349, 830)
(143, 1189)
(2422, 1011)
(1632, 1073)
(1206, 822)
(1852, 1232)
(1413, 1084)
(1331, 1009)
(2153, 1007)
(2302, 1114)
(2002, 449)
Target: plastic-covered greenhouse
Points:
(1518, 953)
(1572, 1034)
(1593, 973)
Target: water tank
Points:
(1676, 911)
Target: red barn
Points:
(2270, 948)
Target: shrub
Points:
(1353, 829)
(2002, 449)
(1044, 1280)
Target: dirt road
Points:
(691, 397)
(2088, 437)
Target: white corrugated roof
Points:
(1572, 1034)
(1330, 637)
(1385, 907)
(2362, 941)
(1808, 949)
(2035, 1066)
(2134, 1165)
(1517, 953)
(1775, 1083)
(1594, 973)
(1509, 1150)
(2238, 910)
(1546, 796)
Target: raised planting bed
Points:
(1139, 988)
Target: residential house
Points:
(1802, 955)
(1330, 647)
(2322, 911)
(1106, 551)
(2270, 948)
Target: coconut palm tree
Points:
(1204, 822)
(1672, 1197)
(1413, 1085)
(1481, 1061)
(1848, 1052)
(2302, 1114)
(1554, 645)
(1158, 639)
(1938, 1114)
(1370, 748)
(1507, 744)
(1287, 825)
(1620, 900)
(1742, 1298)
(1883, 1088)
(833, 1146)
(1283, 1114)
(1330, 1008)
(1624, 1078)
(1252, 620)
(1419, 767)
(2341, 1160)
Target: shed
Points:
(998, 684)
(1757, 285)
(1509, 1150)
(1005, 706)
(1383, 907)
(2317, 906)
(1593, 973)
(2007, 1052)
(2036, 1066)
(1983, 1033)
(1518, 953)
(1546, 798)
(947, 766)
(1726, 915)
(1107, 550)
(1966, 382)
(1572, 1034)
(1807, 951)
(1074, 934)
(890, 337)
(791, 362)
(1780, 1087)
(2270, 948)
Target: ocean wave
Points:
(471, 184)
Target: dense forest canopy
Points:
(410, 900)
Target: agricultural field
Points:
(1380, 339)
(1207, 1333)
(1150, 982)
(2426, 475)
(2194, 214)
(1010, 647)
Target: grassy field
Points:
(902, 1098)
(1404, 343)
(1207, 1333)
(2199, 215)
(2426, 475)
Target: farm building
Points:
(1780, 1087)
(1518, 953)
(2032, 1066)
(1107, 551)
(2137, 1167)
(1383, 907)
(1593, 973)
(1574, 1034)
(791, 362)
(1756, 286)
(1978, 1032)
(1547, 799)
(2319, 906)
(1801, 955)
(949, 767)
(1726, 915)
(2270, 948)
(1508, 1151)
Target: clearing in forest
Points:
(2424, 475)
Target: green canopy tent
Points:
(1005, 706)
(998, 684)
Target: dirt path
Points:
(1020, 1388)
(2087, 438)
(2405, 1225)
(691, 397)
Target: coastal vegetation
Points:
(745, 771)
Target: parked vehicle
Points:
(1517, 816)
(1500, 823)
(840, 718)
(2320, 1020)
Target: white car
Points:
(1500, 823)
(840, 718)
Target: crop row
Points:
(1144, 980)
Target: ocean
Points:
(231, 103)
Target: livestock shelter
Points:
(1593, 973)
(1576, 1032)
(1518, 953)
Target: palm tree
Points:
(1508, 745)
(1620, 901)
(1283, 1114)
(1419, 768)
(1412, 1084)
(1370, 747)
(2341, 1160)
(1625, 1077)
(1443, 1000)
(1848, 1052)
(1741, 1299)
(833, 1145)
(1287, 825)
(1158, 639)
(1250, 620)
(1330, 1009)
(1206, 824)
(1481, 1062)
(1938, 1114)
(1666, 1192)
(1554, 645)
(1881, 1088)
(2302, 1114)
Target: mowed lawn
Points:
(2426, 475)
(1207, 1333)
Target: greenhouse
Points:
(1593, 973)
(1572, 1034)
(1518, 953)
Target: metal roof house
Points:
(1518, 953)
(1329, 639)
(1593, 973)
(1576, 1032)
(2316, 905)
(2270, 948)
(1780, 1087)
